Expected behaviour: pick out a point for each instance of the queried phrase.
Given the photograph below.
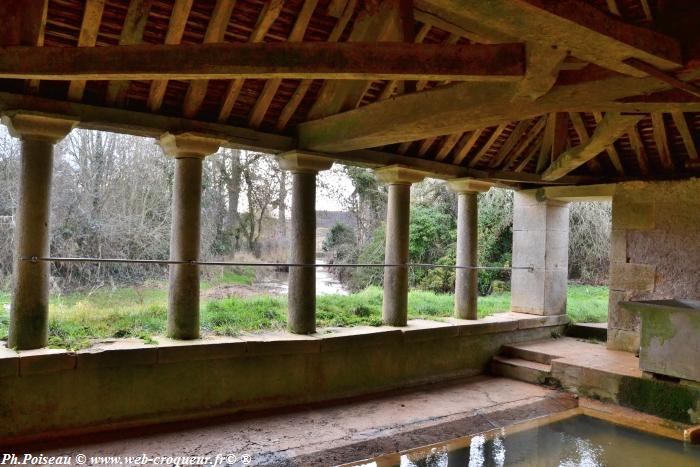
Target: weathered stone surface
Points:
(631, 277)
(540, 240)
(275, 343)
(173, 350)
(419, 330)
(272, 374)
(127, 352)
(359, 336)
(9, 362)
(619, 339)
(631, 214)
(45, 361)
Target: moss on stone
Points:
(667, 400)
(656, 325)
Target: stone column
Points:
(399, 179)
(466, 290)
(301, 314)
(189, 151)
(29, 316)
(540, 240)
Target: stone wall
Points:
(50, 392)
(655, 252)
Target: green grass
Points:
(78, 318)
(587, 303)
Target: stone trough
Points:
(670, 339)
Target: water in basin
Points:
(574, 441)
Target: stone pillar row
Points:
(29, 315)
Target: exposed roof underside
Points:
(562, 91)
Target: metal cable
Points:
(35, 259)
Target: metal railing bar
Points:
(35, 259)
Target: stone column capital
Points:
(302, 162)
(468, 185)
(27, 125)
(189, 145)
(399, 175)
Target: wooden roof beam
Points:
(661, 140)
(610, 149)
(216, 31)
(271, 85)
(686, 135)
(573, 25)
(300, 92)
(608, 131)
(132, 33)
(24, 23)
(461, 107)
(379, 25)
(176, 28)
(271, 11)
(314, 60)
(90, 26)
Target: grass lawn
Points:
(141, 312)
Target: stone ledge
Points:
(172, 350)
(133, 352)
(45, 361)
(360, 336)
(9, 362)
(127, 352)
(422, 330)
(280, 343)
(543, 321)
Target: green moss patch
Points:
(663, 399)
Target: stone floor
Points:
(339, 433)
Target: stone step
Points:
(522, 370)
(594, 331)
(525, 353)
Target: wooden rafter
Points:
(92, 16)
(661, 140)
(533, 133)
(216, 30)
(268, 15)
(573, 25)
(534, 150)
(291, 106)
(610, 149)
(663, 76)
(610, 129)
(686, 135)
(132, 33)
(543, 64)
(176, 28)
(466, 144)
(467, 106)
(510, 143)
(24, 23)
(612, 6)
(582, 133)
(639, 150)
(485, 148)
(393, 84)
(271, 85)
(447, 145)
(381, 25)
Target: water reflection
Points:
(576, 441)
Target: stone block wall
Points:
(655, 251)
